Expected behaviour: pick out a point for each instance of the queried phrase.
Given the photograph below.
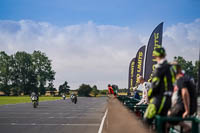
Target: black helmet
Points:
(159, 52)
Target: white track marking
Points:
(102, 122)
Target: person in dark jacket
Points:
(184, 98)
(160, 93)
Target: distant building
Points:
(73, 91)
(2, 93)
(51, 93)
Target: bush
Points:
(84, 90)
(103, 92)
(95, 91)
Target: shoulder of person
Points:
(160, 68)
(184, 79)
(180, 80)
(147, 85)
(184, 82)
(162, 63)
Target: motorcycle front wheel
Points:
(34, 104)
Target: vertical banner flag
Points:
(131, 75)
(154, 42)
(139, 63)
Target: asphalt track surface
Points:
(61, 116)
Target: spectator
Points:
(145, 88)
(184, 101)
(161, 87)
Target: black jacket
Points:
(163, 80)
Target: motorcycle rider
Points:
(73, 98)
(63, 95)
(33, 94)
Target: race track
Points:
(54, 116)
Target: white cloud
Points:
(183, 39)
(86, 53)
(90, 53)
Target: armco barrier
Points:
(160, 120)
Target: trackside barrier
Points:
(140, 110)
(123, 98)
(126, 99)
(130, 103)
(160, 120)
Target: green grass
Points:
(23, 99)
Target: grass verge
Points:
(23, 99)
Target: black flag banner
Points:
(139, 63)
(198, 84)
(154, 42)
(131, 75)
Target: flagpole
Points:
(144, 63)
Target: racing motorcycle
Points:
(34, 101)
(64, 97)
(73, 98)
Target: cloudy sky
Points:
(93, 41)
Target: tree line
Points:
(83, 90)
(87, 90)
(189, 68)
(24, 73)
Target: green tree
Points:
(16, 91)
(84, 90)
(64, 88)
(23, 75)
(5, 73)
(51, 89)
(43, 70)
(95, 91)
(196, 70)
(187, 66)
(24, 72)
(103, 92)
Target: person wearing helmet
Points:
(161, 89)
(73, 98)
(36, 96)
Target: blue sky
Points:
(105, 34)
(135, 13)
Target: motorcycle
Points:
(74, 99)
(34, 101)
(64, 97)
